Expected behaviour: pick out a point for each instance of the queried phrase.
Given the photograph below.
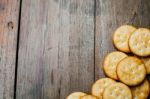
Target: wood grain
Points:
(110, 14)
(9, 13)
(56, 48)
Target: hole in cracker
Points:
(111, 94)
(104, 81)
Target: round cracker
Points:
(76, 95)
(117, 91)
(147, 64)
(141, 91)
(99, 86)
(110, 63)
(131, 71)
(139, 42)
(90, 97)
(121, 36)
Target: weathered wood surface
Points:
(110, 14)
(9, 13)
(62, 43)
(56, 48)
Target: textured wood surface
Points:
(56, 48)
(110, 14)
(9, 11)
(61, 45)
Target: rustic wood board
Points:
(62, 43)
(9, 13)
(56, 48)
(110, 14)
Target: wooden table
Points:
(50, 48)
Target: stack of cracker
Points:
(126, 74)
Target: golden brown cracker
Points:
(90, 97)
(141, 91)
(139, 42)
(110, 63)
(99, 86)
(117, 91)
(146, 61)
(131, 71)
(76, 95)
(121, 36)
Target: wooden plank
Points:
(56, 49)
(109, 15)
(9, 13)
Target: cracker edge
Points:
(75, 92)
(89, 95)
(144, 64)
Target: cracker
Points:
(99, 86)
(76, 95)
(110, 63)
(139, 42)
(117, 91)
(147, 64)
(141, 91)
(121, 36)
(131, 71)
(90, 97)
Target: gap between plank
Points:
(94, 37)
(17, 49)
